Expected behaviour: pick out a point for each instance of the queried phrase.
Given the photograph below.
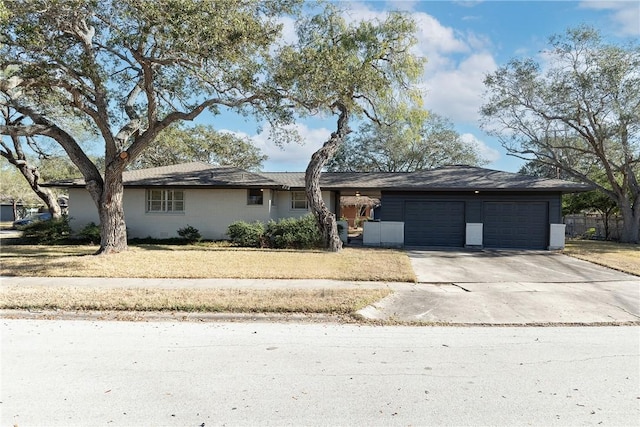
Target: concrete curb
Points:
(359, 318)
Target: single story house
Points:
(453, 206)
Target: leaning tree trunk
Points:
(325, 218)
(32, 175)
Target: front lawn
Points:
(165, 261)
(620, 256)
(326, 301)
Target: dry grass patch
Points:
(620, 256)
(332, 301)
(163, 261)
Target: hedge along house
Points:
(455, 206)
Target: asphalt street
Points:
(86, 373)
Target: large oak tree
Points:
(348, 70)
(580, 112)
(130, 68)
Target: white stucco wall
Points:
(82, 210)
(383, 233)
(473, 235)
(282, 205)
(210, 211)
(556, 236)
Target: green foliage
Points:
(365, 66)
(181, 144)
(290, 233)
(89, 234)
(242, 233)
(404, 146)
(190, 234)
(294, 233)
(48, 232)
(594, 200)
(589, 234)
(14, 186)
(56, 168)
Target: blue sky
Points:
(462, 41)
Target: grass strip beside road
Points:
(165, 261)
(619, 256)
(326, 301)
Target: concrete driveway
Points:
(511, 287)
(495, 266)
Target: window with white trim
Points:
(255, 196)
(165, 201)
(299, 200)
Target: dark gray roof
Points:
(196, 174)
(449, 178)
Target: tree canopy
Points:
(579, 112)
(13, 186)
(129, 69)
(180, 144)
(362, 70)
(404, 147)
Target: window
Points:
(165, 201)
(254, 196)
(299, 200)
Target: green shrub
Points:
(247, 235)
(294, 233)
(190, 234)
(48, 232)
(89, 234)
(291, 233)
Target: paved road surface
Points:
(88, 373)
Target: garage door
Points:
(434, 223)
(518, 225)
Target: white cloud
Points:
(434, 38)
(456, 92)
(456, 64)
(486, 152)
(403, 5)
(290, 157)
(625, 15)
(469, 3)
(289, 35)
